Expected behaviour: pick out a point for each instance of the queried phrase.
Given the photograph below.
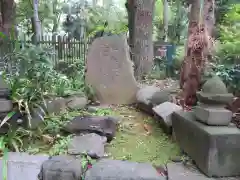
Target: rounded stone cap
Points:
(214, 91)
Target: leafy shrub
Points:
(230, 76)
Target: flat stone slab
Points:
(107, 169)
(177, 171)
(22, 166)
(61, 168)
(92, 144)
(165, 111)
(215, 149)
(213, 115)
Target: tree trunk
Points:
(198, 44)
(165, 19)
(7, 16)
(140, 16)
(36, 24)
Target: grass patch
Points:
(133, 143)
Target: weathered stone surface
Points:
(213, 115)
(177, 171)
(61, 168)
(21, 166)
(110, 70)
(56, 105)
(38, 115)
(92, 144)
(214, 149)
(15, 121)
(5, 105)
(102, 125)
(76, 103)
(107, 169)
(164, 111)
(214, 91)
(4, 89)
(151, 96)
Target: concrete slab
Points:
(22, 166)
(177, 171)
(164, 112)
(215, 149)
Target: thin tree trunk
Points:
(165, 19)
(36, 23)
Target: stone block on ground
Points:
(212, 115)
(150, 96)
(92, 144)
(164, 113)
(110, 70)
(22, 166)
(56, 105)
(102, 125)
(61, 168)
(107, 169)
(178, 171)
(5, 105)
(4, 89)
(76, 102)
(215, 149)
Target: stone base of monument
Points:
(213, 115)
(214, 149)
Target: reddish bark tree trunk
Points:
(140, 16)
(197, 49)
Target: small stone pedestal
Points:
(215, 149)
(205, 134)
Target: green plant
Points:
(230, 76)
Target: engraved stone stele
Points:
(213, 98)
(110, 70)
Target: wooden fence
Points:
(63, 49)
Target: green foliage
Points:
(229, 49)
(230, 76)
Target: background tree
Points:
(140, 27)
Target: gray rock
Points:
(213, 115)
(92, 109)
(102, 125)
(164, 111)
(22, 166)
(215, 149)
(38, 115)
(61, 168)
(56, 105)
(92, 144)
(76, 103)
(5, 105)
(4, 89)
(107, 169)
(151, 96)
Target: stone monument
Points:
(205, 133)
(213, 98)
(110, 70)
